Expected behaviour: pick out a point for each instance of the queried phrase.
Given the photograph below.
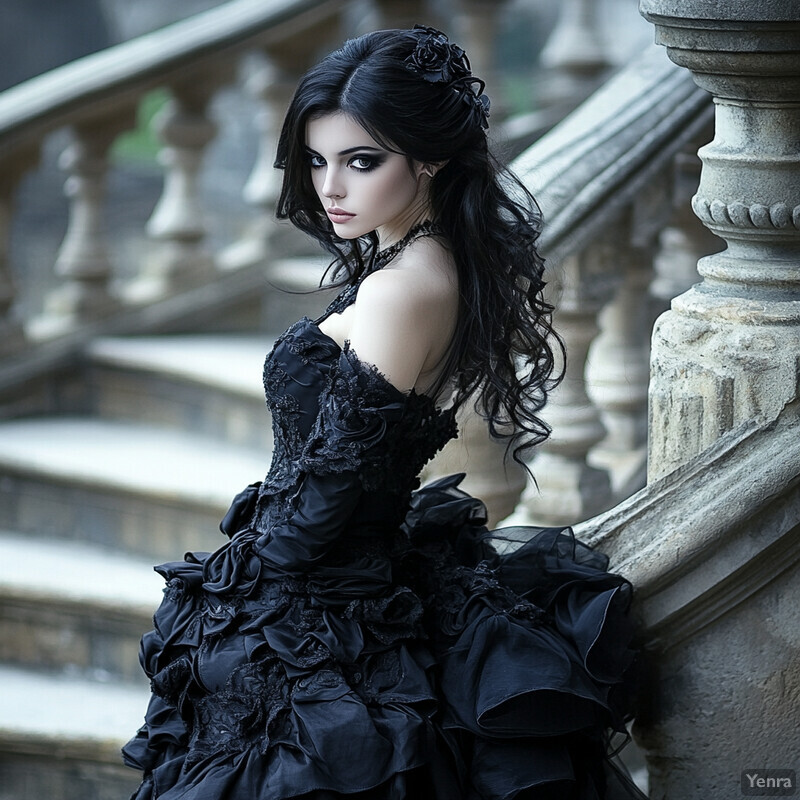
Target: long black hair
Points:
(413, 92)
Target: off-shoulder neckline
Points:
(348, 351)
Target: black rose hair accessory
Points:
(437, 60)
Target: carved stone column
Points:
(618, 370)
(723, 688)
(569, 489)
(11, 171)
(84, 263)
(728, 350)
(178, 221)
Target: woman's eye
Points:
(363, 163)
(316, 161)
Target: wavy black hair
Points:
(502, 350)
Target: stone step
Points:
(135, 488)
(60, 736)
(74, 608)
(205, 383)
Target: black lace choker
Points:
(383, 257)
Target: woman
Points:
(356, 638)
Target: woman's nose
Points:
(332, 185)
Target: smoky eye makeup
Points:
(362, 162)
(366, 162)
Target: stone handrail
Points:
(713, 550)
(597, 161)
(99, 82)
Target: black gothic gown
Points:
(358, 638)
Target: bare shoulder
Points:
(420, 281)
(405, 314)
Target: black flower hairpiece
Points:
(437, 60)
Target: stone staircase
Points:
(155, 435)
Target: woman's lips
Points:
(339, 215)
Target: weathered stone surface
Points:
(713, 549)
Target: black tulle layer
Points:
(430, 666)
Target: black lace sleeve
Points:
(367, 426)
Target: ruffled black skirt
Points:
(445, 670)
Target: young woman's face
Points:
(362, 186)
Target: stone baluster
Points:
(11, 332)
(271, 89)
(618, 372)
(728, 349)
(569, 489)
(271, 82)
(574, 57)
(178, 221)
(274, 75)
(84, 264)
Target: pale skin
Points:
(404, 315)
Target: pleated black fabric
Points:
(357, 636)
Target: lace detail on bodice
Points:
(333, 413)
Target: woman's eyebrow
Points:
(349, 150)
(360, 147)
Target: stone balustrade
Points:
(712, 542)
(96, 99)
(594, 176)
(605, 180)
(601, 177)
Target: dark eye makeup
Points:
(361, 163)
